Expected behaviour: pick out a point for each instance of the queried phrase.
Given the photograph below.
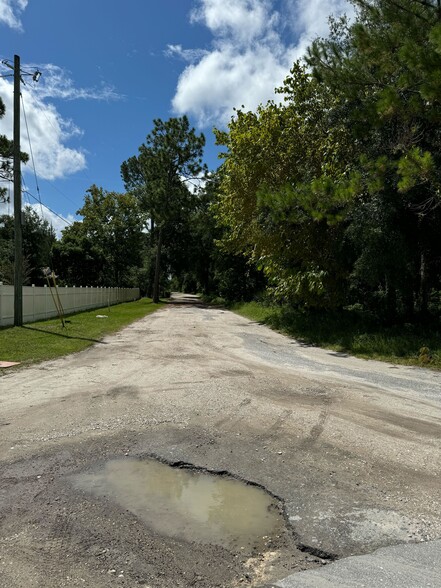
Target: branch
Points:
(401, 7)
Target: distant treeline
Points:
(327, 199)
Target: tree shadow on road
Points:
(65, 336)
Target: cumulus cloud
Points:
(241, 20)
(10, 11)
(49, 132)
(250, 54)
(225, 79)
(58, 222)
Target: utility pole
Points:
(18, 230)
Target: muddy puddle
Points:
(187, 504)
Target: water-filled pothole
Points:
(188, 504)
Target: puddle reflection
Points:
(187, 504)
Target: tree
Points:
(6, 151)
(198, 265)
(336, 193)
(38, 239)
(385, 69)
(106, 247)
(76, 259)
(170, 157)
(277, 202)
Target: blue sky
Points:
(110, 67)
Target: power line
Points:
(54, 187)
(48, 208)
(32, 153)
(43, 112)
(35, 173)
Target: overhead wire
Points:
(39, 200)
(54, 187)
(32, 154)
(24, 190)
(51, 124)
(47, 207)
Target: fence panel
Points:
(6, 305)
(38, 302)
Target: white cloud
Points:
(194, 185)
(10, 11)
(58, 222)
(49, 132)
(190, 55)
(242, 20)
(56, 82)
(312, 19)
(225, 79)
(250, 55)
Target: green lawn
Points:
(351, 333)
(48, 339)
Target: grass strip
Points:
(48, 339)
(349, 332)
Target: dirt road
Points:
(349, 449)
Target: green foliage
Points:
(105, 249)
(283, 191)
(414, 168)
(6, 153)
(335, 194)
(38, 239)
(158, 177)
(385, 71)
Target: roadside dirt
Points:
(351, 449)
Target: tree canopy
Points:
(38, 240)
(328, 197)
(335, 192)
(170, 157)
(106, 248)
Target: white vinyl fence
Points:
(38, 303)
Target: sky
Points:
(109, 68)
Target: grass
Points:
(351, 333)
(48, 339)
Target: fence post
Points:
(33, 302)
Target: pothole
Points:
(188, 504)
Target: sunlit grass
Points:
(48, 339)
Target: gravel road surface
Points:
(349, 449)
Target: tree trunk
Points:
(391, 301)
(423, 294)
(157, 267)
(424, 290)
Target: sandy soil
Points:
(350, 448)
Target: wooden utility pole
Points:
(18, 231)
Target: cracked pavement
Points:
(350, 447)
